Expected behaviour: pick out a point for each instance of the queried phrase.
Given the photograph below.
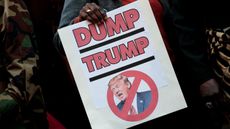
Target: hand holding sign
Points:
(93, 13)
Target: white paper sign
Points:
(122, 69)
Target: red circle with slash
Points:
(123, 114)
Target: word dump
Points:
(122, 22)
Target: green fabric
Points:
(21, 100)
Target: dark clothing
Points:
(143, 101)
(72, 8)
(206, 13)
(74, 106)
(181, 22)
(185, 23)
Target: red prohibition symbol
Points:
(138, 77)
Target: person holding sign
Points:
(120, 87)
(75, 11)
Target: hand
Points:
(209, 88)
(210, 94)
(213, 97)
(93, 13)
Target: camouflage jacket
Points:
(21, 101)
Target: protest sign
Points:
(121, 68)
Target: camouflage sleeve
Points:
(20, 91)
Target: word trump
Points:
(116, 54)
(123, 23)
